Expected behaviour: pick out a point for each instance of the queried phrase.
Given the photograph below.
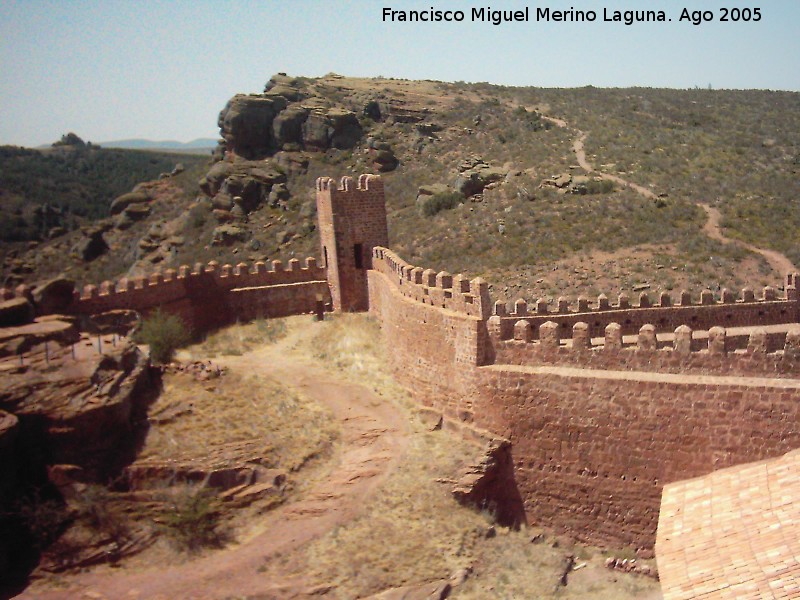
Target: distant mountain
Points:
(198, 146)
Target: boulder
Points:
(211, 183)
(248, 188)
(54, 296)
(222, 201)
(385, 160)
(288, 126)
(332, 128)
(278, 195)
(225, 235)
(135, 212)
(122, 202)
(91, 245)
(84, 414)
(16, 311)
(246, 124)
(475, 175)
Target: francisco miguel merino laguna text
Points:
(498, 17)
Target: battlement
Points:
(668, 313)
(443, 290)
(771, 350)
(366, 182)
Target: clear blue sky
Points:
(163, 70)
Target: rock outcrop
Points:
(475, 175)
(75, 396)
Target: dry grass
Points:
(241, 338)
(412, 530)
(287, 428)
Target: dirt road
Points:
(373, 437)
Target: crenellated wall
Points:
(666, 315)
(435, 332)
(772, 351)
(208, 296)
(603, 404)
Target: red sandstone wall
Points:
(433, 351)
(592, 454)
(746, 311)
(212, 295)
(738, 361)
(593, 448)
(350, 214)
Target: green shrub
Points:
(192, 520)
(431, 205)
(164, 333)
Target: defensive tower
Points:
(352, 221)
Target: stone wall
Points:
(593, 449)
(209, 296)
(597, 426)
(433, 350)
(668, 313)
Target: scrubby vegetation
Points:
(163, 333)
(69, 184)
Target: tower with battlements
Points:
(352, 221)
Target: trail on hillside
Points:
(777, 261)
(373, 437)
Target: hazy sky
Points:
(163, 70)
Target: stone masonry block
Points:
(716, 340)
(548, 335)
(461, 284)
(602, 302)
(429, 278)
(541, 306)
(791, 348)
(444, 280)
(748, 295)
(706, 297)
(770, 294)
(583, 304)
(623, 301)
(644, 300)
(647, 338)
(686, 298)
(580, 336)
(613, 334)
(495, 326)
(523, 331)
(665, 300)
(683, 339)
(499, 308)
(520, 307)
(728, 297)
(563, 305)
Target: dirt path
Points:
(373, 436)
(580, 154)
(776, 260)
(779, 263)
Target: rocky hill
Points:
(543, 192)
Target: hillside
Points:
(491, 181)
